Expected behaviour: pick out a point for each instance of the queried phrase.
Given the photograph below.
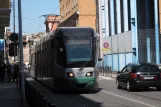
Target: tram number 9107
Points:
(80, 73)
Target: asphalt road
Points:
(137, 98)
(108, 96)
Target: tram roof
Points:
(74, 28)
(75, 31)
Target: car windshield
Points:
(148, 68)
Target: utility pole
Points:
(13, 16)
(14, 28)
(22, 82)
(97, 16)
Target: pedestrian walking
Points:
(15, 72)
(2, 71)
(9, 73)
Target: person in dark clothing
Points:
(2, 71)
(9, 73)
(15, 72)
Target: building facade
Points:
(32, 40)
(160, 15)
(4, 22)
(129, 32)
(77, 13)
(52, 22)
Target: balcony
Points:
(4, 13)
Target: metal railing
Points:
(105, 71)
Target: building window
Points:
(122, 16)
(115, 16)
(109, 17)
(129, 15)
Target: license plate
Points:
(80, 73)
(148, 77)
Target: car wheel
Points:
(118, 84)
(128, 86)
(158, 88)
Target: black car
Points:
(139, 76)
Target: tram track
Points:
(75, 98)
(142, 95)
(132, 93)
(109, 96)
(150, 97)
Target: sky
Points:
(31, 11)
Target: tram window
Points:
(78, 52)
(59, 53)
(60, 57)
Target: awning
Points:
(4, 13)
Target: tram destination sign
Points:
(76, 41)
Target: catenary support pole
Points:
(21, 53)
(156, 32)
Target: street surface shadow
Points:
(67, 98)
(96, 90)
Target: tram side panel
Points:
(59, 59)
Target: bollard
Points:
(34, 96)
(31, 98)
(49, 103)
(29, 95)
(41, 99)
(44, 102)
(52, 105)
(37, 99)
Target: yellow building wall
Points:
(88, 21)
(68, 8)
(86, 9)
(4, 3)
(87, 13)
(160, 15)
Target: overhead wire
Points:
(51, 13)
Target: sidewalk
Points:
(9, 95)
(114, 75)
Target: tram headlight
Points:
(70, 74)
(89, 74)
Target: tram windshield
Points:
(78, 50)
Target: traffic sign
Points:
(14, 37)
(1, 44)
(106, 45)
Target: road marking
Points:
(128, 99)
(105, 78)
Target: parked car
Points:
(139, 76)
